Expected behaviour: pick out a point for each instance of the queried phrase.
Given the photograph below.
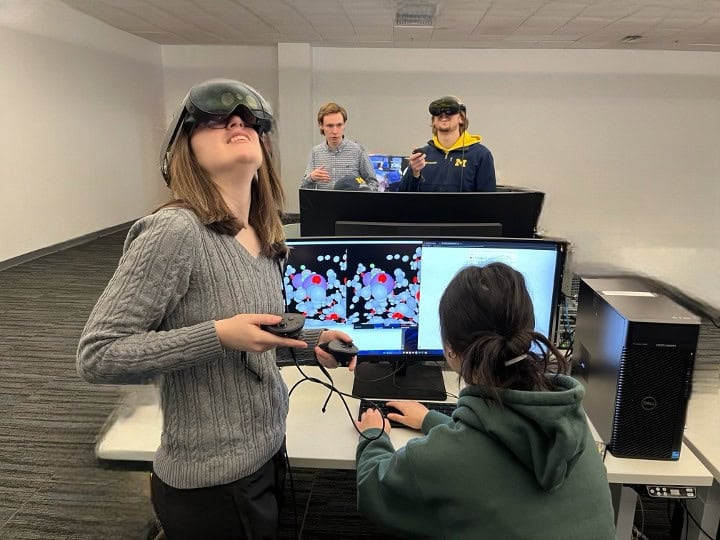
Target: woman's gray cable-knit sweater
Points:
(155, 320)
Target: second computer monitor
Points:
(516, 211)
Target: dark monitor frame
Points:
(517, 210)
(387, 228)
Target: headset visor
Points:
(218, 99)
(445, 105)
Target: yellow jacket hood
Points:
(465, 140)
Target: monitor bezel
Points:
(405, 230)
(517, 210)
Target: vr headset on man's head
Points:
(215, 101)
(446, 105)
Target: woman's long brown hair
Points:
(193, 188)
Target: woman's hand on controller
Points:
(243, 333)
(327, 359)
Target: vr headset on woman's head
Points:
(215, 101)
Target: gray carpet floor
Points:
(51, 485)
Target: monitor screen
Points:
(388, 170)
(385, 292)
(516, 211)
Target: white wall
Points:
(626, 145)
(82, 113)
(295, 88)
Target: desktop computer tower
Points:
(634, 351)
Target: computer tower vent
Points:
(706, 376)
(652, 392)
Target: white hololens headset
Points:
(215, 100)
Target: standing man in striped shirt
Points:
(337, 157)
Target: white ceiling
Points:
(690, 25)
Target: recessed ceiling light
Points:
(416, 15)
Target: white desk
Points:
(329, 440)
(702, 435)
(133, 433)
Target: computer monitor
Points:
(517, 210)
(384, 293)
(389, 228)
(388, 170)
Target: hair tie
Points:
(515, 360)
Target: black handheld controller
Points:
(341, 351)
(290, 325)
(420, 150)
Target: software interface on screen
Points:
(388, 170)
(385, 293)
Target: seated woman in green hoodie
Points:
(516, 460)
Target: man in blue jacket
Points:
(453, 160)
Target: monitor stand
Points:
(412, 381)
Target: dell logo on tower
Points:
(648, 403)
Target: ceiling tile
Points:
(664, 24)
(541, 24)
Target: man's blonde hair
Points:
(330, 108)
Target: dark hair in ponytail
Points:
(487, 318)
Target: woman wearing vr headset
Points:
(453, 160)
(198, 280)
(517, 459)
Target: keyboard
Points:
(443, 407)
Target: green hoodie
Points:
(525, 470)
